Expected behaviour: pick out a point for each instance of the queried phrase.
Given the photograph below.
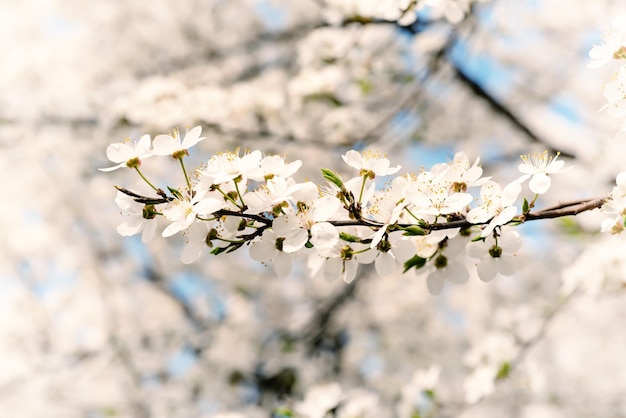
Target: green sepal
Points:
(416, 262)
(234, 247)
(333, 177)
(175, 192)
(349, 238)
(414, 230)
(504, 371)
(219, 250)
(478, 238)
(309, 244)
(283, 412)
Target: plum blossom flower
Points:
(616, 206)
(136, 221)
(182, 212)
(537, 168)
(434, 195)
(272, 166)
(128, 153)
(228, 166)
(614, 42)
(311, 219)
(319, 400)
(172, 144)
(448, 267)
(388, 253)
(495, 256)
(269, 249)
(369, 163)
(274, 193)
(497, 205)
(615, 94)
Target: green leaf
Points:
(333, 177)
(414, 230)
(218, 250)
(175, 192)
(416, 262)
(504, 371)
(347, 237)
(525, 207)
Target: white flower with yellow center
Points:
(228, 166)
(173, 144)
(182, 212)
(614, 44)
(128, 153)
(537, 168)
(497, 205)
(369, 163)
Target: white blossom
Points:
(128, 153)
(136, 222)
(495, 256)
(170, 144)
(497, 205)
(369, 162)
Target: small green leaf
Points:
(347, 237)
(414, 230)
(504, 371)
(218, 250)
(333, 177)
(525, 207)
(416, 262)
(175, 192)
(478, 238)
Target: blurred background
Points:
(94, 325)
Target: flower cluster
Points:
(421, 219)
(613, 48)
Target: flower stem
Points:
(243, 204)
(362, 188)
(185, 173)
(145, 179)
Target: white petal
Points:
(119, 152)
(435, 282)
(506, 265)
(115, 167)
(385, 264)
(165, 145)
(403, 249)
(505, 215)
(208, 205)
(171, 229)
(367, 256)
(378, 236)
(487, 269)
(479, 215)
(192, 137)
(282, 263)
(132, 226)
(332, 268)
(510, 193)
(456, 273)
(477, 249)
(540, 183)
(353, 159)
(149, 230)
(263, 250)
(350, 268)
(510, 241)
(295, 240)
(324, 236)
